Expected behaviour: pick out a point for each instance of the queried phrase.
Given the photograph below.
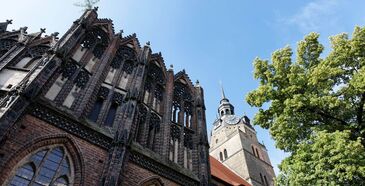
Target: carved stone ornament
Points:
(75, 128)
(97, 40)
(6, 45)
(117, 61)
(175, 131)
(128, 67)
(155, 73)
(154, 122)
(159, 92)
(118, 98)
(188, 139)
(68, 70)
(38, 51)
(126, 53)
(103, 92)
(81, 79)
(142, 113)
(182, 92)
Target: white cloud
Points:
(316, 15)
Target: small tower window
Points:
(262, 179)
(257, 153)
(253, 150)
(216, 141)
(221, 156)
(266, 183)
(227, 111)
(225, 154)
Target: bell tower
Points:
(234, 143)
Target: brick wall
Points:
(135, 175)
(32, 133)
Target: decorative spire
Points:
(222, 91)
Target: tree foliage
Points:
(299, 99)
(326, 159)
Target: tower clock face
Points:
(232, 119)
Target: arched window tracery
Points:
(154, 87)
(103, 100)
(153, 129)
(50, 166)
(183, 99)
(142, 114)
(122, 66)
(182, 112)
(96, 40)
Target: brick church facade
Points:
(93, 107)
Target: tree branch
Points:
(361, 110)
(326, 115)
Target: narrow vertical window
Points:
(257, 153)
(221, 156)
(262, 179)
(225, 154)
(253, 151)
(93, 115)
(111, 115)
(266, 183)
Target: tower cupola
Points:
(225, 107)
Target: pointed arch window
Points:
(46, 167)
(154, 86)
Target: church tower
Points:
(235, 144)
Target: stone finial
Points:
(197, 83)
(171, 67)
(96, 8)
(55, 34)
(148, 43)
(24, 28)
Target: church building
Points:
(94, 107)
(234, 143)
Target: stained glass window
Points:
(45, 167)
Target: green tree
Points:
(299, 99)
(326, 159)
(87, 4)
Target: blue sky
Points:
(213, 40)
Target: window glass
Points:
(23, 175)
(42, 167)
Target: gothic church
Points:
(94, 107)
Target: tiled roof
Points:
(221, 172)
